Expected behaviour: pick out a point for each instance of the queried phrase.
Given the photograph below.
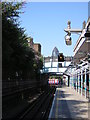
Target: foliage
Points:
(38, 64)
(11, 9)
(17, 56)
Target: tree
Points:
(16, 55)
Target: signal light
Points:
(60, 57)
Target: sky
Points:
(45, 23)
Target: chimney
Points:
(31, 42)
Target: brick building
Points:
(35, 46)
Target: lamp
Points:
(68, 39)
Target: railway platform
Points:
(68, 104)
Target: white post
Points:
(72, 81)
(85, 85)
(81, 81)
(78, 83)
(89, 81)
(89, 93)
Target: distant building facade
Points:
(35, 46)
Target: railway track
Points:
(40, 108)
(14, 105)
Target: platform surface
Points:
(69, 104)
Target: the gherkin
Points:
(55, 52)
